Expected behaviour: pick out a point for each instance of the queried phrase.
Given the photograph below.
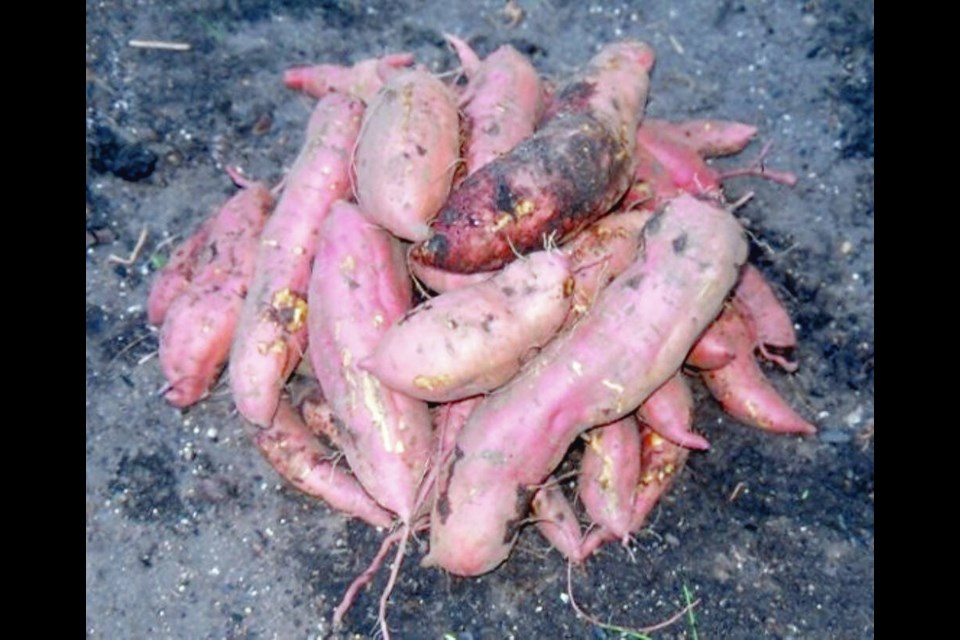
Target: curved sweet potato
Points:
(609, 472)
(362, 80)
(407, 153)
(272, 333)
(472, 340)
(359, 288)
(709, 138)
(502, 102)
(568, 174)
(758, 305)
(635, 337)
(669, 412)
(299, 457)
(199, 325)
(743, 389)
(177, 274)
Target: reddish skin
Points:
(599, 254)
(362, 80)
(175, 277)
(661, 461)
(359, 288)
(708, 138)
(407, 153)
(568, 174)
(759, 306)
(636, 337)
(469, 60)
(687, 169)
(557, 521)
(199, 325)
(473, 340)
(272, 334)
(742, 388)
(712, 351)
(501, 104)
(299, 457)
(669, 412)
(609, 473)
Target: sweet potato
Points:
(568, 174)
(199, 325)
(758, 305)
(359, 288)
(407, 153)
(660, 463)
(272, 333)
(635, 337)
(299, 457)
(669, 412)
(708, 138)
(609, 472)
(362, 80)
(501, 104)
(177, 274)
(472, 340)
(556, 520)
(440, 280)
(742, 388)
(600, 253)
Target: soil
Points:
(190, 534)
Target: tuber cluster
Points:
(479, 276)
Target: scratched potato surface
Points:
(191, 534)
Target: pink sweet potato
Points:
(556, 520)
(299, 457)
(501, 105)
(359, 288)
(272, 333)
(660, 463)
(741, 386)
(199, 325)
(177, 274)
(609, 472)
(440, 280)
(635, 337)
(600, 253)
(407, 153)
(759, 306)
(362, 80)
(565, 176)
(708, 138)
(472, 340)
(669, 412)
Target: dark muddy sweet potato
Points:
(569, 173)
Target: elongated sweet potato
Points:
(609, 472)
(568, 174)
(177, 274)
(635, 337)
(600, 253)
(502, 103)
(299, 457)
(407, 153)
(669, 412)
(199, 325)
(741, 386)
(709, 138)
(556, 520)
(362, 80)
(660, 463)
(472, 340)
(359, 288)
(272, 333)
(758, 305)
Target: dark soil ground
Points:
(190, 534)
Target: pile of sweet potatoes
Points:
(480, 276)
